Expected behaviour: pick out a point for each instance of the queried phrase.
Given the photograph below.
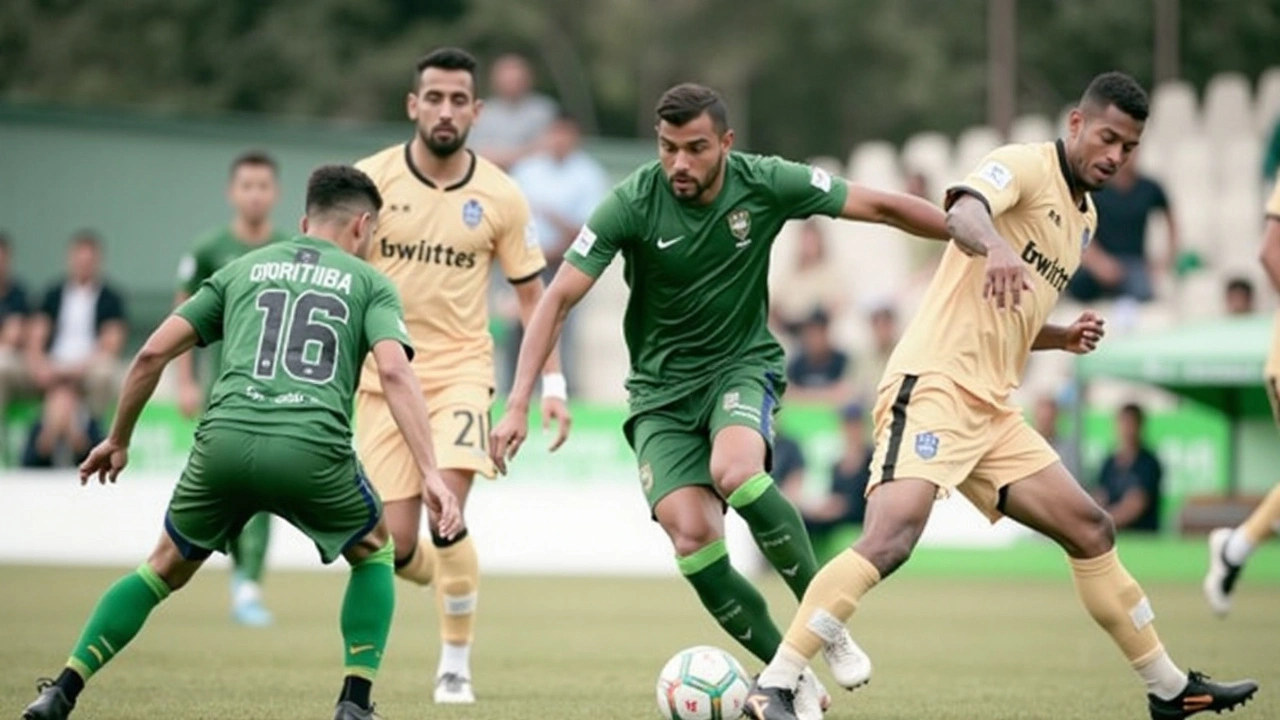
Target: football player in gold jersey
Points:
(449, 216)
(1229, 548)
(944, 423)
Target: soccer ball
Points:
(702, 683)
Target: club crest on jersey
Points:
(926, 445)
(731, 401)
(740, 223)
(472, 213)
(646, 477)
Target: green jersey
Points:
(210, 254)
(296, 319)
(698, 274)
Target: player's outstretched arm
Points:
(555, 392)
(1080, 337)
(1270, 255)
(404, 397)
(175, 336)
(969, 222)
(541, 334)
(905, 212)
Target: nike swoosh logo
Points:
(791, 571)
(357, 649)
(745, 636)
(664, 244)
(758, 705)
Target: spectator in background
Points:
(817, 372)
(788, 467)
(13, 316)
(1130, 479)
(563, 185)
(1045, 417)
(1115, 262)
(73, 352)
(514, 117)
(812, 283)
(1239, 297)
(870, 366)
(832, 520)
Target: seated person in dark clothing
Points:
(1114, 262)
(818, 371)
(1129, 482)
(833, 519)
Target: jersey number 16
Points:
(310, 344)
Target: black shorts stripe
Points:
(897, 427)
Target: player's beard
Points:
(442, 149)
(699, 185)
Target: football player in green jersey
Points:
(695, 229)
(296, 319)
(252, 191)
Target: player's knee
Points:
(1096, 534)
(689, 539)
(731, 474)
(405, 537)
(888, 550)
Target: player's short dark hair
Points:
(446, 58)
(1135, 411)
(1240, 284)
(335, 187)
(683, 103)
(254, 158)
(86, 237)
(1119, 89)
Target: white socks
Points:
(784, 670)
(1163, 678)
(1238, 548)
(455, 659)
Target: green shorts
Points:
(231, 475)
(673, 442)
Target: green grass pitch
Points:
(578, 648)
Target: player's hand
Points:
(190, 398)
(557, 410)
(106, 461)
(507, 437)
(1007, 276)
(443, 505)
(1085, 333)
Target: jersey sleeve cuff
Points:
(584, 264)
(955, 192)
(201, 339)
(408, 346)
(531, 276)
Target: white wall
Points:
(520, 527)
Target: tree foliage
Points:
(803, 77)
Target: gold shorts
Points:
(460, 426)
(928, 427)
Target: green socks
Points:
(778, 530)
(115, 621)
(731, 599)
(367, 610)
(249, 550)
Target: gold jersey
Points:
(960, 335)
(437, 245)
